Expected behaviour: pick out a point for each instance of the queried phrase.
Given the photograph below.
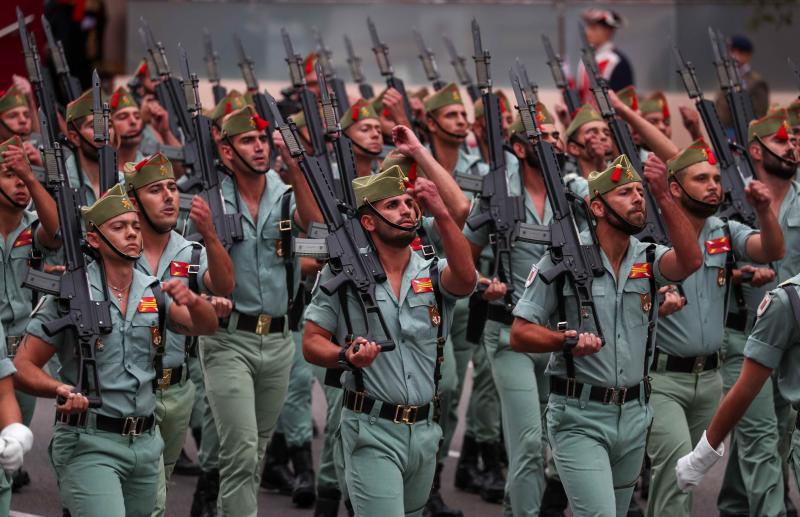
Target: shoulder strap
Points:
(652, 315)
(730, 265)
(159, 340)
(561, 308)
(440, 335)
(35, 260)
(794, 299)
(285, 228)
(190, 343)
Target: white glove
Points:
(15, 441)
(692, 467)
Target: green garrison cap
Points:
(16, 141)
(11, 98)
(387, 183)
(242, 121)
(121, 99)
(359, 110)
(150, 170)
(420, 94)
(232, 101)
(628, 97)
(504, 105)
(793, 113)
(377, 102)
(655, 103)
(698, 151)
(113, 203)
(542, 117)
(773, 123)
(80, 107)
(585, 114)
(447, 96)
(407, 166)
(617, 174)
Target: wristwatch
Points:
(344, 364)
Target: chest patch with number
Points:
(717, 246)
(179, 269)
(148, 304)
(641, 270)
(24, 239)
(422, 285)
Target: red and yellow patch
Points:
(416, 244)
(717, 246)
(148, 304)
(24, 239)
(179, 269)
(641, 270)
(422, 285)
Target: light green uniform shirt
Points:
(15, 300)
(260, 272)
(698, 328)
(621, 308)
(174, 259)
(81, 182)
(775, 340)
(404, 375)
(125, 362)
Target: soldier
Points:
(654, 109)
(686, 384)
(167, 255)
(126, 119)
(392, 471)
(447, 123)
(600, 25)
(246, 365)
(156, 123)
(598, 412)
(107, 459)
(479, 125)
(16, 119)
(362, 126)
(741, 49)
(588, 140)
(793, 118)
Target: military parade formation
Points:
(170, 267)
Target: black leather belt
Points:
(617, 396)
(127, 426)
(261, 324)
(697, 364)
(169, 377)
(499, 314)
(360, 403)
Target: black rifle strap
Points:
(285, 228)
(794, 299)
(194, 284)
(427, 249)
(358, 375)
(159, 341)
(738, 292)
(650, 257)
(440, 336)
(561, 308)
(35, 260)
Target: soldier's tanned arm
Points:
(189, 314)
(219, 278)
(662, 146)
(768, 245)
(31, 378)
(9, 409)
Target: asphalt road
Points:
(41, 497)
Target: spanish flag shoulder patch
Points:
(422, 285)
(148, 304)
(641, 270)
(24, 239)
(179, 269)
(717, 246)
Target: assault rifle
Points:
(428, 59)
(70, 87)
(86, 318)
(106, 154)
(350, 252)
(364, 88)
(739, 102)
(336, 84)
(228, 226)
(44, 96)
(556, 64)
(576, 261)
(460, 65)
(211, 58)
(736, 168)
(655, 229)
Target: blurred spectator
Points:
(742, 49)
(600, 26)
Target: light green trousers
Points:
(246, 378)
(208, 455)
(295, 419)
(327, 477)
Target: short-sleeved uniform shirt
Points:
(775, 340)
(125, 360)
(622, 305)
(405, 374)
(698, 328)
(80, 181)
(175, 262)
(260, 271)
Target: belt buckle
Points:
(285, 225)
(12, 345)
(571, 387)
(402, 414)
(358, 401)
(133, 426)
(166, 378)
(699, 364)
(193, 268)
(262, 326)
(615, 396)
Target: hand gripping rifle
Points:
(578, 262)
(351, 254)
(655, 230)
(428, 59)
(502, 211)
(228, 226)
(211, 57)
(739, 102)
(70, 87)
(556, 64)
(87, 319)
(106, 154)
(735, 167)
(336, 84)
(364, 88)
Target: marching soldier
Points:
(598, 412)
(107, 459)
(126, 119)
(16, 120)
(362, 126)
(167, 255)
(588, 140)
(391, 472)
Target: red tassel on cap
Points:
(664, 110)
(115, 100)
(261, 124)
(141, 164)
(412, 174)
(503, 107)
(356, 112)
(387, 113)
(712, 160)
(634, 103)
(309, 64)
(142, 69)
(617, 174)
(228, 107)
(782, 134)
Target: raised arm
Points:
(15, 159)
(655, 139)
(768, 245)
